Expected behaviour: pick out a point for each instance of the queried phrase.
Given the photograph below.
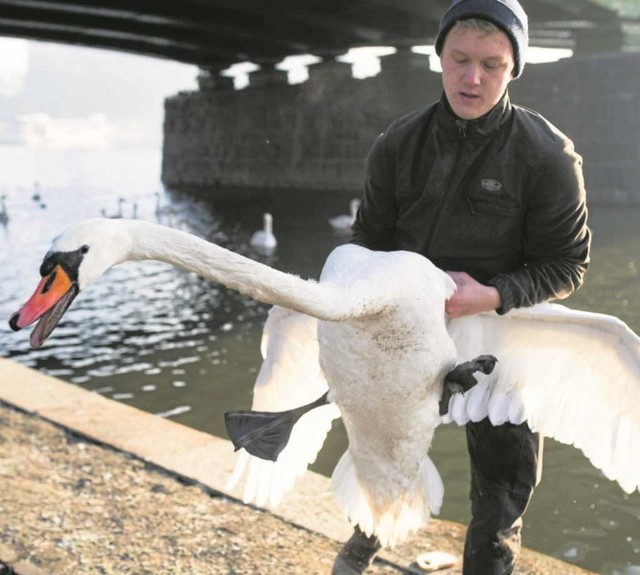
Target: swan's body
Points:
(344, 222)
(265, 239)
(373, 332)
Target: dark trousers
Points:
(506, 463)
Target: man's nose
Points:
(472, 74)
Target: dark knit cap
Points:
(508, 15)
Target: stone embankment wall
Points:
(316, 135)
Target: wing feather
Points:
(478, 402)
(572, 375)
(289, 377)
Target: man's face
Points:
(476, 68)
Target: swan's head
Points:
(76, 258)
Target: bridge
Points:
(214, 34)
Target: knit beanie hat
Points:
(508, 15)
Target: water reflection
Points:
(174, 344)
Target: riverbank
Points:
(92, 486)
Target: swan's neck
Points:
(155, 242)
(268, 224)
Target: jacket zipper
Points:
(447, 195)
(462, 127)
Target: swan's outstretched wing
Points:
(290, 376)
(572, 375)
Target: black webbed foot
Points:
(265, 434)
(461, 379)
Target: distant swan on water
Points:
(345, 221)
(265, 239)
(4, 215)
(162, 210)
(118, 214)
(36, 197)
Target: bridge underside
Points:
(214, 34)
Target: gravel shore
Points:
(72, 507)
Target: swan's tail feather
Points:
(393, 523)
(433, 485)
(350, 495)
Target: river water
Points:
(173, 344)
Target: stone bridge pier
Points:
(315, 135)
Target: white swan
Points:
(161, 210)
(373, 332)
(116, 215)
(345, 221)
(36, 197)
(4, 214)
(265, 239)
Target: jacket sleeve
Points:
(374, 227)
(557, 239)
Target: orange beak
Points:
(51, 289)
(52, 297)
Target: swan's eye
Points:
(84, 249)
(49, 282)
(47, 265)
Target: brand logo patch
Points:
(491, 185)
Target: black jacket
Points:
(501, 197)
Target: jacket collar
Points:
(478, 128)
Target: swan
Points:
(4, 214)
(160, 209)
(372, 333)
(36, 197)
(118, 214)
(264, 239)
(345, 221)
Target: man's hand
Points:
(470, 297)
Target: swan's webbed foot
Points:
(263, 433)
(461, 379)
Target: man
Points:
(493, 194)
